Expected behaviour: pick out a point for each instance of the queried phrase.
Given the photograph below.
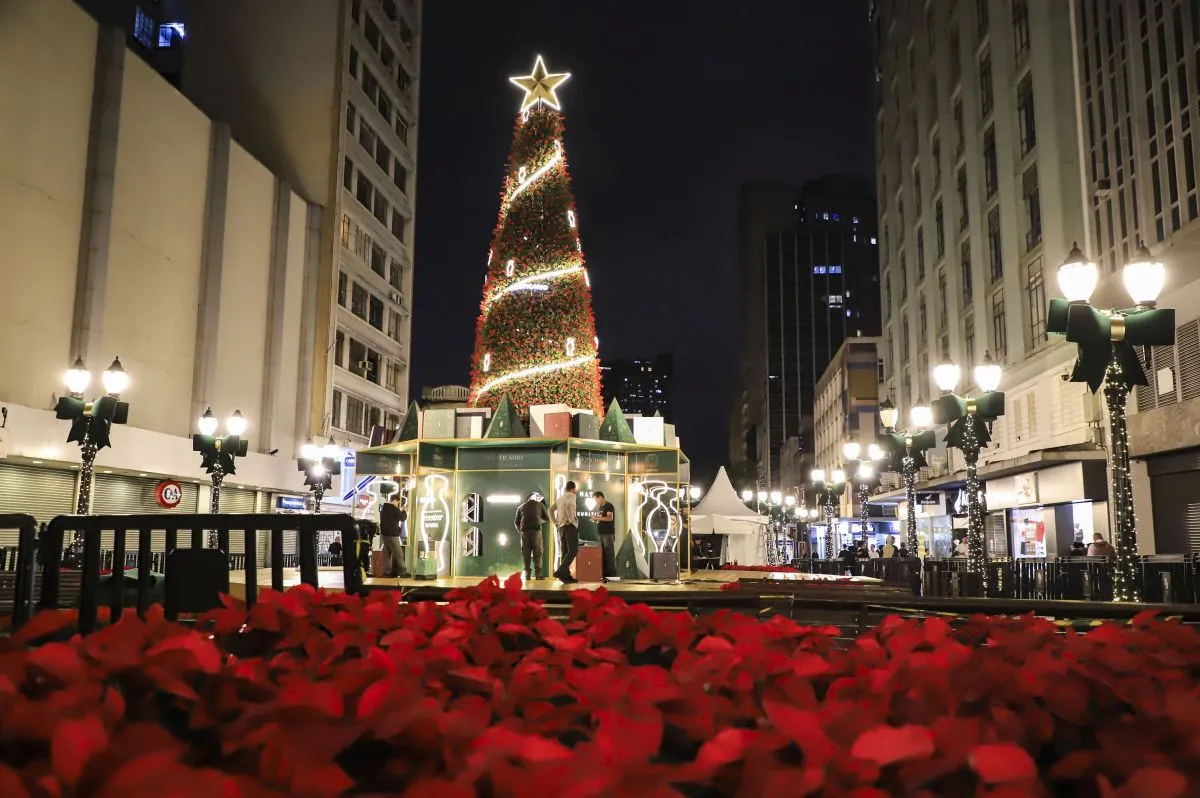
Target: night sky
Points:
(667, 112)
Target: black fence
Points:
(1163, 578)
(193, 577)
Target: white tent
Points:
(722, 512)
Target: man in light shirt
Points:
(566, 518)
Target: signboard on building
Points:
(291, 503)
(929, 498)
(168, 494)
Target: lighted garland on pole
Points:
(536, 336)
(976, 555)
(1116, 395)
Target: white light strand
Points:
(571, 219)
(534, 279)
(529, 372)
(570, 347)
(487, 362)
(537, 174)
(510, 267)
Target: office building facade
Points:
(641, 387)
(810, 281)
(330, 100)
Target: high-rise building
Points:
(641, 387)
(1139, 95)
(847, 401)
(328, 99)
(981, 196)
(809, 281)
(155, 31)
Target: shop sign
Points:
(434, 456)
(654, 463)
(929, 498)
(599, 462)
(291, 503)
(168, 494)
(502, 459)
(384, 465)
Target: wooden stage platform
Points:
(697, 583)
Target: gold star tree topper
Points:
(539, 87)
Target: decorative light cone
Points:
(946, 376)
(889, 414)
(115, 378)
(921, 416)
(77, 377)
(988, 373)
(207, 423)
(818, 475)
(851, 450)
(1144, 277)
(747, 495)
(236, 424)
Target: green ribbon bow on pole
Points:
(896, 445)
(91, 423)
(219, 451)
(1107, 336)
(952, 410)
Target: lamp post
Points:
(91, 426)
(827, 493)
(906, 454)
(320, 465)
(218, 454)
(864, 475)
(1106, 340)
(969, 424)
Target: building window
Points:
(342, 285)
(941, 297)
(903, 275)
(389, 10)
(171, 34)
(378, 261)
(358, 357)
(384, 104)
(396, 275)
(401, 128)
(359, 300)
(917, 187)
(370, 84)
(375, 313)
(939, 231)
(818, 270)
(1020, 16)
(982, 17)
(400, 177)
(964, 213)
(335, 410)
(955, 55)
(371, 32)
(887, 295)
(900, 215)
(143, 28)
(339, 349)
(348, 174)
(364, 192)
(381, 207)
(406, 34)
(960, 140)
(345, 231)
(1033, 208)
(935, 155)
(920, 254)
(351, 116)
(904, 347)
(383, 156)
(399, 226)
(367, 138)
(991, 175)
(392, 379)
(1035, 297)
(999, 330)
(923, 322)
(1025, 121)
(395, 326)
(354, 63)
(969, 341)
(986, 97)
(964, 261)
(386, 54)
(355, 415)
(995, 254)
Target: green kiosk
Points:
(462, 492)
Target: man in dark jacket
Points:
(391, 519)
(530, 518)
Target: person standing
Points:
(566, 518)
(531, 515)
(391, 518)
(1100, 547)
(606, 530)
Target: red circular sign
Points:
(168, 494)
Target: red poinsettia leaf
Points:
(373, 698)
(203, 651)
(807, 665)
(324, 697)
(1155, 782)
(11, 785)
(713, 643)
(624, 737)
(60, 660)
(886, 745)
(74, 743)
(729, 745)
(44, 624)
(528, 747)
(1002, 762)
(803, 728)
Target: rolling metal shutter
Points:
(40, 492)
(116, 494)
(236, 500)
(1175, 495)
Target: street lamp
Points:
(320, 465)
(864, 475)
(695, 492)
(1106, 340)
(827, 493)
(218, 454)
(969, 424)
(906, 455)
(91, 422)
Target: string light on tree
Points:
(535, 316)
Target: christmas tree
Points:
(536, 337)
